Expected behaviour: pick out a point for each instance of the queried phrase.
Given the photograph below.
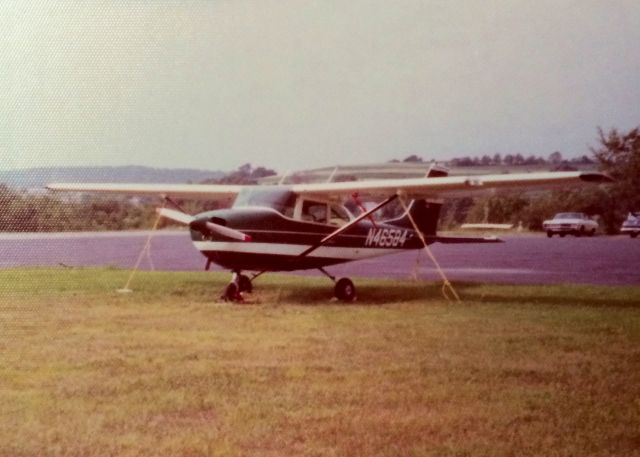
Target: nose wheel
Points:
(344, 289)
(245, 284)
(239, 283)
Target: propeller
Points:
(203, 226)
(210, 227)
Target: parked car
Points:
(574, 223)
(631, 225)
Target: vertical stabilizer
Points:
(424, 213)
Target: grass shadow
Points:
(558, 295)
(285, 289)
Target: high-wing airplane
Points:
(307, 226)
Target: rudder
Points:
(424, 213)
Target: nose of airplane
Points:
(214, 225)
(200, 223)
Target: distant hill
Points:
(39, 177)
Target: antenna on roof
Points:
(286, 173)
(333, 173)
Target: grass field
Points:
(169, 370)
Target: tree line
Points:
(555, 160)
(22, 211)
(616, 153)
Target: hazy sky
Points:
(299, 84)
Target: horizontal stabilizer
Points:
(466, 239)
(485, 226)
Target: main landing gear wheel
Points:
(245, 284)
(231, 292)
(345, 290)
(239, 284)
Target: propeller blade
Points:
(202, 225)
(228, 232)
(176, 216)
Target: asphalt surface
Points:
(526, 259)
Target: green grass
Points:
(171, 370)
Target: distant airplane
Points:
(306, 226)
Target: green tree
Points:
(619, 155)
(413, 159)
(505, 207)
(454, 212)
(555, 157)
(591, 200)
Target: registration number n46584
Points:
(386, 238)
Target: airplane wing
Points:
(433, 187)
(436, 187)
(189, 191)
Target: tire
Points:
(231, 292)
(549, 233)
(592, 232)
(245, 284)
(562, 235)
(633, 234)
(345, 290)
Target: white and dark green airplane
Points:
(306, 226)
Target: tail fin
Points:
(424, 213)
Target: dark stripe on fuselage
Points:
(268, 226)
(267, 262)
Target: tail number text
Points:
(386, 238)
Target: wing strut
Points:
(348, 226)
(145, 250)
(446, 283)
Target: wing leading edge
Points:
(450, 185)
(188, 191)
(413, 187)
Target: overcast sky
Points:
(299, 84)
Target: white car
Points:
(631, 225)
(574, 223)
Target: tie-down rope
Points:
(145, 250)
(446, 284)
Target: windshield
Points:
(568, 216)
(282, 200)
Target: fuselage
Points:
(283, 226)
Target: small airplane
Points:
(286, 227)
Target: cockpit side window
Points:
(323, 212)
(338, 215)
(314, 211)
